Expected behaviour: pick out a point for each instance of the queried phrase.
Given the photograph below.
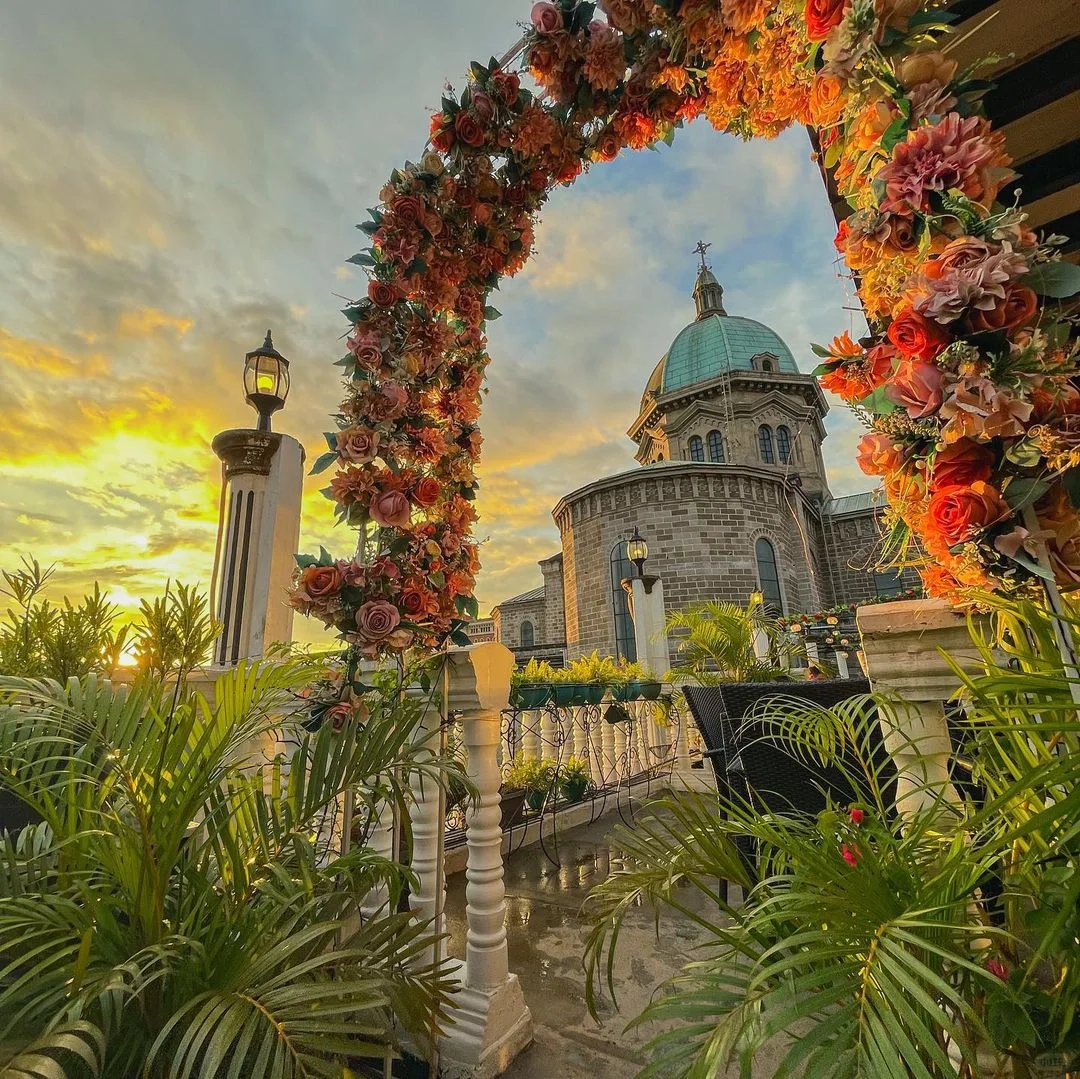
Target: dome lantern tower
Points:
(708, 293)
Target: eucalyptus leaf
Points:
(1058, 280)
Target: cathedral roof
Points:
(716, 343)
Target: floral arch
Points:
(966, 384)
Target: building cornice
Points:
(658, 404)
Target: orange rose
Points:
(961, 464)
(917, 336)
(822, 16)
(959, 514)
(442, 132)
(358, 444)
(321, 582)
(920, 67)
(826, 100)
(917, 387)
(426, 492)
(879, 454)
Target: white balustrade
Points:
(607, 744)
(549, 727)
(619, 748)
(491, 1023)
(531, 746)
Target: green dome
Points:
(717, 344)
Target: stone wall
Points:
(854, 542)
(701, 522)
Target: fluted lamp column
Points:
(259, 525)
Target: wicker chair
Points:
(753, 767)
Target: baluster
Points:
(607, 743)
(594, 738)
(549, 726)
(620, 747)
(428, 821)
(580, 721)
(380, 840)
(531, 748)
(491, 1022)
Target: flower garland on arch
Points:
(966, 382)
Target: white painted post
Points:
(491, 1023)
(647, 596)
(842, 665)
(257, 538)
(428, 822)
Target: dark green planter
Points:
(531, 695)
(512, 806)
(648, 691)
(594, 694)
(626, 692)
(535, 800)
(570, 693)
(574, 789)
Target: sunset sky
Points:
(177, 177)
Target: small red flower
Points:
(998, 969)
(857, 815)
(850, 855)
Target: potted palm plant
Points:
(574, 779)
(532, 777)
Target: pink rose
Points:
(391, 509)
(365, 346)
(916, 387)
(394, 399)
(546, 18)
(484, 106)
(377, 619)
(358, 444)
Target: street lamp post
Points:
(266, 381)
(259, 524)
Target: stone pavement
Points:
(546, 939)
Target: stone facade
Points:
(729, 435)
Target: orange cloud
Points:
(45, 359)
(148, 320)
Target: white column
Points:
(257, 539)
(842, 664)
(491, 1023)
(380, 841)
(581, 733)
(903, 644)
(647, 595)
(620, 747)
(607, 749)
(428, 814)
(594, 736)
(549, 727)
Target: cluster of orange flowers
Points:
(921, 174)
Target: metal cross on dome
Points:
(701, 249)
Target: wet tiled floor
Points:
(546, 936)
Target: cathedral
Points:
(731, 496)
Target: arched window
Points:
(766, 365)
(765, 444)
(697, 449)
(528, 635)
(621, 568)
(769, 577)
(659, 456)
(716, 447)
(783, 444)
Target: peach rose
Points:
(919, 67)
(390, 509)
(608, 145)
(879, 454)
(826, 100)
(408, 210)
(546, 18)
(390, 402)
(958, 514)
(1018, 308)
(916, 387)
(358, 444)
(426, 492)
(377, 619)
(321, 582)
(961, 464)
